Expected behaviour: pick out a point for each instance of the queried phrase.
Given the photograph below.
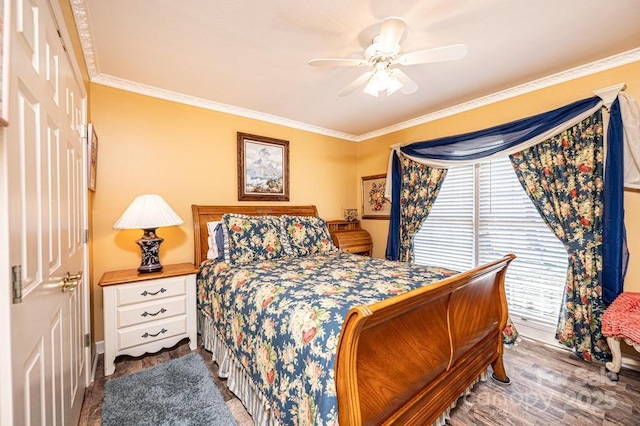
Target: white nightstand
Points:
(147, 312)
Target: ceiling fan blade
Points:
(357, 82)
(338, 62)
(439, 54)
(408, 85)
(391, 32)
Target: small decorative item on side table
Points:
(351, 215)
(148, 212)
(147, 312)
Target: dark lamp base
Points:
(150, 247)
(145, 269)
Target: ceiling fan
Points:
(383, 53)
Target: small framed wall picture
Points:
(263, 168)
(374, 204)
(92, 157)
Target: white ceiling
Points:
(250, 57)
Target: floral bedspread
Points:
(282, 319)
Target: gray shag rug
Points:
(177, 392)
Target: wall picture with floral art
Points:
(263, 168)
(374, 204)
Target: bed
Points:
(404, 359)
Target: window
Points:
(481, 214)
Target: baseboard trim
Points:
(94, 366)
(99, 350)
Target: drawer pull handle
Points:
(145, 335)
(145, 313)
(147, 293)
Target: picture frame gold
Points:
(263, 168)
(374, 204)
(92, 157)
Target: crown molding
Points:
(561, 77)
(80, 14)
(143, 89)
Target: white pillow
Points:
(213, 248)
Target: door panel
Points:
(31, 238)
(53, 199)
(35, 392)
(27, 30)
(57, 364)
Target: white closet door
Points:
(46, 222)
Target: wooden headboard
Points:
(204, 214)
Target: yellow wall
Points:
(374, 153)
(188, 156)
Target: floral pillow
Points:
(251, 238)
(305, 235)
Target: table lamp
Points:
(148, 212)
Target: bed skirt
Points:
(239, 382)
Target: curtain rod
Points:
(609, 94)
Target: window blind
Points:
(447, 236)
(506, 221)
(510, 223)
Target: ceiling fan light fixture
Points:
(371, 89)
(382, 79)
(393, 85)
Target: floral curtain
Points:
(418, 191)
(563, 176)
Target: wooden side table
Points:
(349, 237)
(147, 312)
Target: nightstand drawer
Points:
(146, 312)
(158, 330)
(152, 290)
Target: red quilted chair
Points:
(621, 320)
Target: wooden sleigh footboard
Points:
(405, 360)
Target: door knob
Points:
(70, 282)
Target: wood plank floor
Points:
(549, 387)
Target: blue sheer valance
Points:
(500, 139)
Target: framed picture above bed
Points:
(263, 168)
(374, 204)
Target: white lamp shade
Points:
(148, 211)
